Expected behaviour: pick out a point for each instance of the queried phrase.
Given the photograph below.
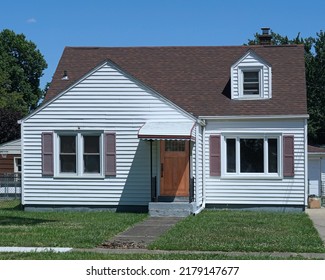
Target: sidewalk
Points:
(318, 218)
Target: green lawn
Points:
(61, 229)
(209, 231)
(243, 231)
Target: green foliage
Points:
(21, 66)
(315, 79)
(9, 128)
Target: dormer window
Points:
(251, 83)
(251, 78)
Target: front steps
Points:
(171, 209)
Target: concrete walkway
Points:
(318, 218)
(141, 234)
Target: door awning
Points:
(167, 131)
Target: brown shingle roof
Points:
(316, 150)
(197, 79)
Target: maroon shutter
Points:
(288, 156)
(110, 154)
(47, 153)
(215, 159)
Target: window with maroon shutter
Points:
(110, 154)
(215, 159)
(288, 156)
(47, 154)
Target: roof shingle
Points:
(197, 79)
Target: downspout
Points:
(203, 170)
(306, 165)
(22, 155)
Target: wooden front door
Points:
(174, 172)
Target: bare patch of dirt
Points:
(123, 245)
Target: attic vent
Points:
(265, 38)
(65, 75)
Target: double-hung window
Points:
(251, 83)
(68, 153)
(80, 154)
(252, 156)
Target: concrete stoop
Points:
(171, 209)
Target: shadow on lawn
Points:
(17, 221)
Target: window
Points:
(251, 83)
(252, 155)
(174, 146)
(17, 165)
(80, 154)
(91, 156)
(68, 154)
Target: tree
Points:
(315, 79)
(9, 128)
(21, 67)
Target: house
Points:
(316, 171)
(10, 157)
(10, 169)
(170, 129)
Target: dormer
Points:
(251, 78)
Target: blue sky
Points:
(52, 25)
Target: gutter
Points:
(255, 117)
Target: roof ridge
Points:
(180, 47)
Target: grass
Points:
(61, 229)
(243, 231)
(227, 231)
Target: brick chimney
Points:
(265, 38)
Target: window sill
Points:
(75, 176)
(251, 97)
(251, 177)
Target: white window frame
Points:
(242, 70)
(16, 165)
(238, 174)
(79, 154)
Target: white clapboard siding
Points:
(284, 191)
(106, 100)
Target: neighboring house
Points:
(172, 129)
(10, 157)
(316, 171)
